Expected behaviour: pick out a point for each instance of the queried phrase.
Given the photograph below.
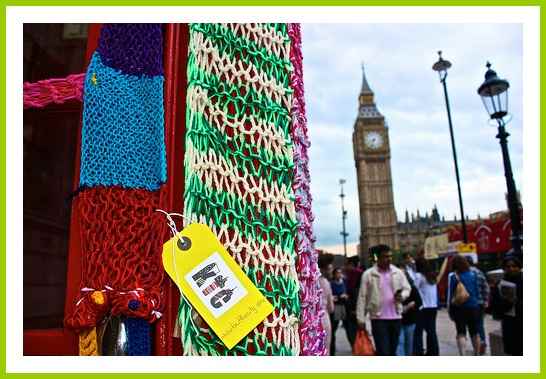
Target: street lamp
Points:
(494, 94)
(343, 233)
(441, 67)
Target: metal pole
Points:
(463, 223)
(513, 202)
(343, 218)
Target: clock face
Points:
(373, 140)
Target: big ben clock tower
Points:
(378, 222)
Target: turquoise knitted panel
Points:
(122, 135)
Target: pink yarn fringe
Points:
(312, 334)
(58, 91)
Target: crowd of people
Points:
(398, 306)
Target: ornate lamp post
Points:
(494, 94)
(441, 67)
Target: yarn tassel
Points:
(138, 336)
(88, 342)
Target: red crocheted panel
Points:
(121, 255)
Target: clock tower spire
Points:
(378, 221)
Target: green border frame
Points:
(3, 162)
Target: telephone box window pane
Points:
(49, 150)
(53, 50)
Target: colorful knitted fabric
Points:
(56, 91)
(123, 164)
(239, 170)
(121, 243)
(134, 49)
(312, 334)
(123, 134)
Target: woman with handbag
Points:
(463, 303)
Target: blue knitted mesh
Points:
(122, 135)
(138, 336)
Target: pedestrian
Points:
(462, 302)
(483, 301)
(507, 305)
(410, 308)
(325, 266)
(339, 293)
(426, 281)
(353, 274)
(383, 287)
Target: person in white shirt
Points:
(426, 281)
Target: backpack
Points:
(460, 295)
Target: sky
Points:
(398, 61)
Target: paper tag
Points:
(214, 283)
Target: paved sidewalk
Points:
(446, 336)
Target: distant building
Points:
(415, 228)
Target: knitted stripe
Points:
(268, 60)
(312, 334)
(88, 344)
(265, 133)
(57, 91)
(138, 336)
(219, 65)
(235, 104)
(206, 138)
(239, 100)
(134, 49)
(224, 209)
(122, 134)
(254, 189)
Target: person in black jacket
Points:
(409, 314)
(507, 305)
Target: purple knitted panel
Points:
(135, 49)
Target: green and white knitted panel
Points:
(239, 172)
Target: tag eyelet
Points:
(183, 243)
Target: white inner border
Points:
(16, 16)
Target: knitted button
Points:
(133, 304)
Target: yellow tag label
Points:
(214, 283)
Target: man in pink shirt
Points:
(382, 289)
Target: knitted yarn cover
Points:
(121, 239)
(123, 164)
(123, 132)
(312, 334)
(134, 49)
(239, 171)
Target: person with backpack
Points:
(483, 301)
(463, 303)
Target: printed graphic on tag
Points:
(214, 284)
